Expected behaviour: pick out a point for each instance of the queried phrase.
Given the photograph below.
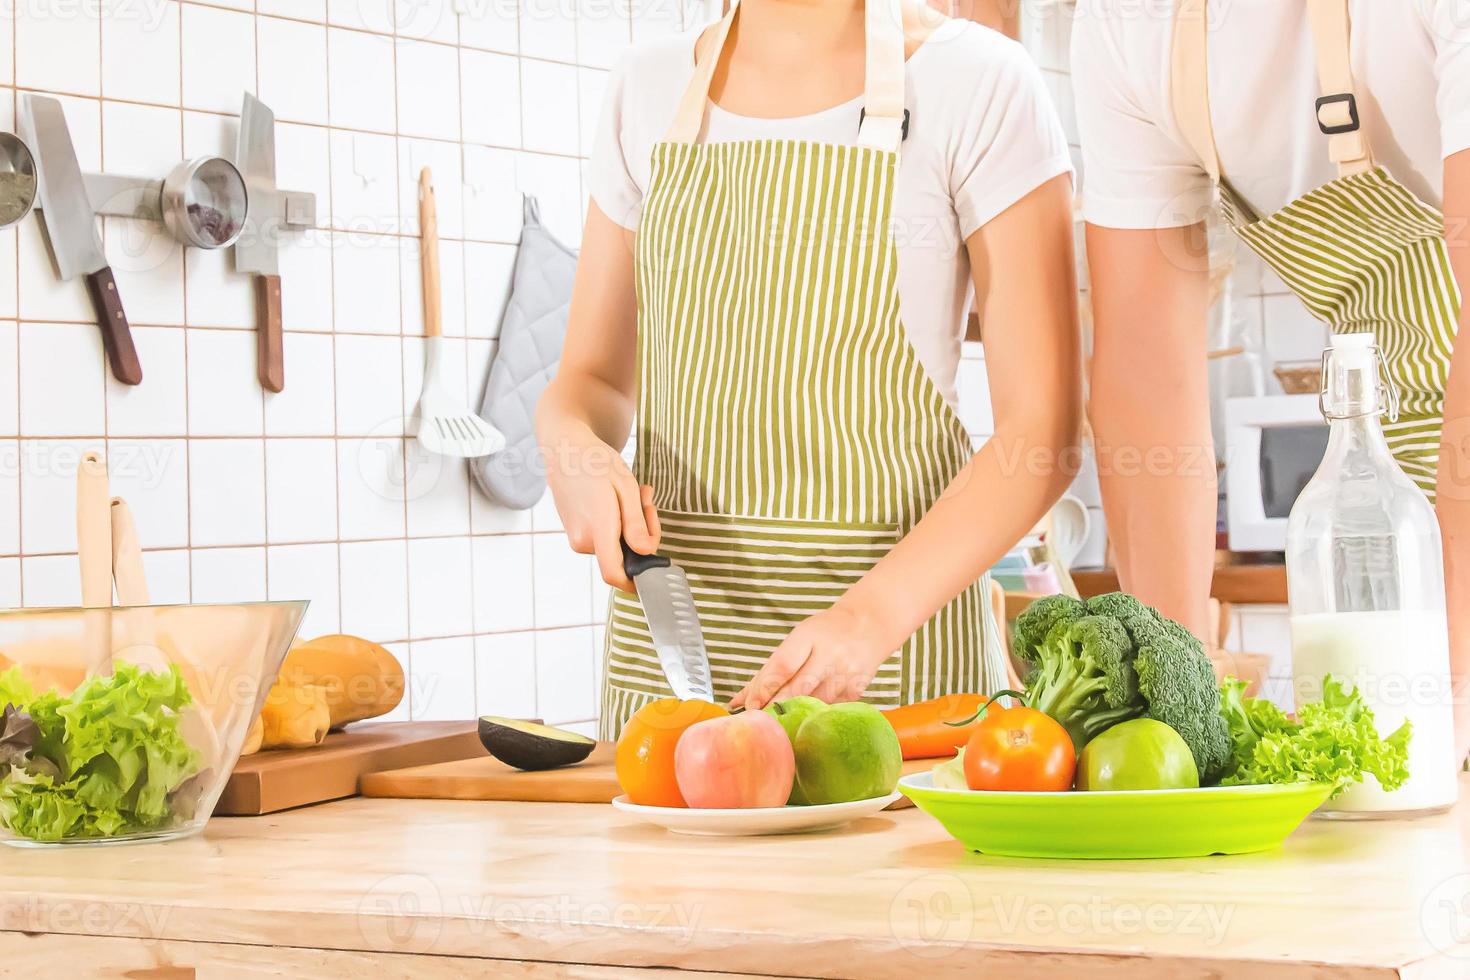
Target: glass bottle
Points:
(1365, 575)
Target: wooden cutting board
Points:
(485, 778)
(283, 778)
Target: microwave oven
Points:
(1273, 446)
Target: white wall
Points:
(243, 495)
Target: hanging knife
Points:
(71, 227)
(673, 623)
(255, 252)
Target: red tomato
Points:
(1019, 749)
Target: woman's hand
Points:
(600, 502)
(832, 656)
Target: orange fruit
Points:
(644, 761)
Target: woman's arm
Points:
(1454, 453)
(585, 414)
(1025, 278)
(1150, 414)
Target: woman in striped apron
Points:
(793, 454)
(1287, 93)
(1362, 252)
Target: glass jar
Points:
(1365, 574)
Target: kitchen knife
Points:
(673, 623)
(71, 227)
(255, 251)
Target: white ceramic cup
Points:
(1070, 524)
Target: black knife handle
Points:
(635, 564)
(117, 336)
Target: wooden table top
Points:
(405, 887)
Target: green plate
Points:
(1157, 823)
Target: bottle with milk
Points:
(1366, 582)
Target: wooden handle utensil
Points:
(127, 557)
(94, 531)
(429, 255)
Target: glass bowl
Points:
(123, 724)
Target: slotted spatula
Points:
(446, 425)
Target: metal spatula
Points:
(446, 425)
(673, 623)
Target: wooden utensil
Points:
(94, 531)
(446, 426)
(485, 778)
(127, 557)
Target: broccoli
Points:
(1084, 676)
(1177, 680)
(1113, 658)
(1036, 622)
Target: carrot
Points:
(923, 732)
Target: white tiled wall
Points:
(311, 493)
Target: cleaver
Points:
(673, 623)
(255, 251)
(71, 227)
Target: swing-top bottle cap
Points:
(1352, 386)
(1352, 350)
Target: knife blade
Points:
(71, 227)
(255, 251)
(673, 623)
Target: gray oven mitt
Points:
(531, 336)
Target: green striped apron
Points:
(1362, 252)
(784, 421)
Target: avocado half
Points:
(532, 747)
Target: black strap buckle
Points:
(1348, 127)
(863, 114)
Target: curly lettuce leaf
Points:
(18, 736)
(117, 751)
(1331, 741)
(15, 689)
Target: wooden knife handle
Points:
(117, 336)
(94, 531)
(270, 348)
(429, 255)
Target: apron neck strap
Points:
(1337, 109)
(883, 123)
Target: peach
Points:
(743, 760)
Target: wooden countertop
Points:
(416, 888)
(1241, 584)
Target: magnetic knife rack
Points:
(140, 197)
(230, 196)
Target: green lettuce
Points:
(15, 689)
(1330, 741)
(104, 759)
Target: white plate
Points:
(756, 821)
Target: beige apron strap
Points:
(883, 123)
(1190, 84)
(690, 114)
(1337, 109)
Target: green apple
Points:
(791, 713)
(848, 752)
(1138, 754)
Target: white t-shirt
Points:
(983, 134)
(1411, 67)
